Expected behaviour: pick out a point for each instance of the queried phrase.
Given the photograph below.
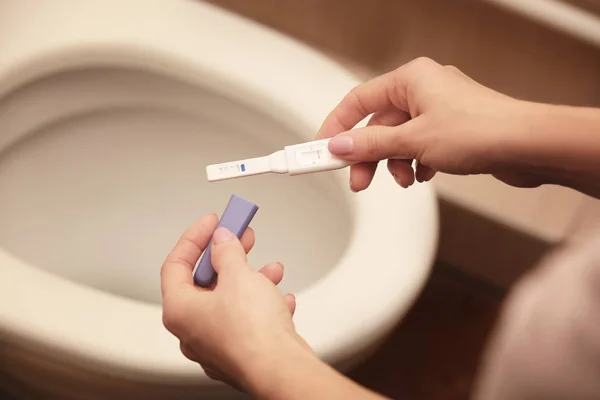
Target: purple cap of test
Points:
(236, 217)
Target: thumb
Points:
(227, 252)
(375, 143)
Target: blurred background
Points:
(542, 50)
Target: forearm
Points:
(296, 374)
(560, 144)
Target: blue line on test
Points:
(243, 167)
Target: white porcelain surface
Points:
(109, 112)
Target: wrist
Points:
(266, 370)
(292, 371)
(553, 142)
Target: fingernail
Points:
(429, 176)
(341, 145)
(222, 235)
(399, 182)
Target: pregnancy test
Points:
(298, 159)
(236, 218)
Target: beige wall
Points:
(497, 48)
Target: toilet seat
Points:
(358, 302)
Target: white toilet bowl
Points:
(109, 112)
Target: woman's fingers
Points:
(376, 143)
(424, 173)
(386, 91)
(290, 301)
(176, 271)
(227, 253)
(402, 171)
(273, 271)
(248, 239)
(361, 175)
(365, 99)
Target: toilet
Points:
(109, 113)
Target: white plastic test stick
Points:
(298, 159)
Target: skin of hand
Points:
(242, 318)
(241, 330)
(447, 122)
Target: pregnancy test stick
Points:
(236, 218)
(298, 159)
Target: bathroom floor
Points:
(434, 353)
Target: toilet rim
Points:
(346, 290)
